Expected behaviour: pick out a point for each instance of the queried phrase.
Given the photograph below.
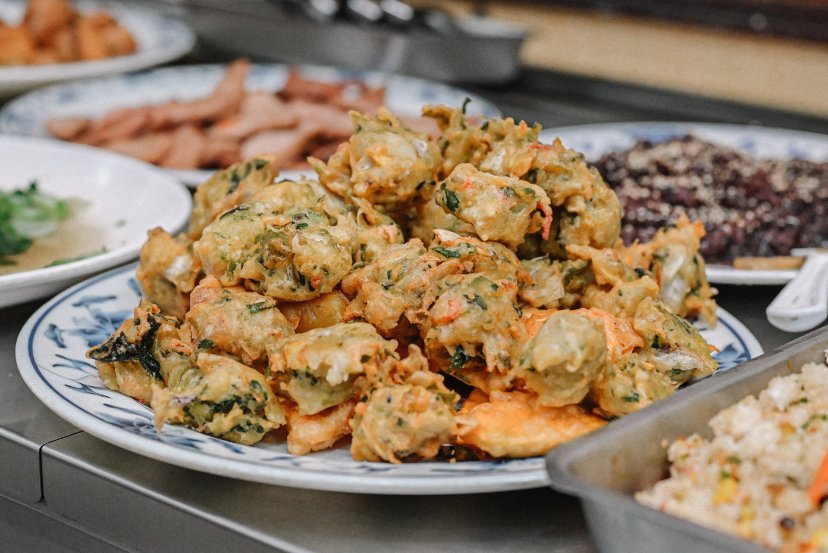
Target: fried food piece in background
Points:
(499, 208)
(226, 399)
(223, 102)
(514, 424)
(258, 111)
(152, 147)
(227, 189)
(167, 271)
(16, 46)
(561, 361)
(147, 348)
(244, 325)
(282, 145)
(187, 148)
(44, 18)
(673, 257)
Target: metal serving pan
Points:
(606, 467)
(478, 50)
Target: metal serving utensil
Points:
(803, 302)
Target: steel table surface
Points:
(63, 490)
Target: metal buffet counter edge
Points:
(63, 490)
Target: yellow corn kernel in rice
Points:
(725, 491)
(819, 538)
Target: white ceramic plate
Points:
(160, 38)
(118, 200)
(596, 140)
(29, 114)
(50, 357)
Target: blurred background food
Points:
(52, 31)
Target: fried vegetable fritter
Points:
(245, 325)
(560, 362)
(167, 271)
(227, 189)
(499, 208)
(228, 400)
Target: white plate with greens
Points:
(89, 210)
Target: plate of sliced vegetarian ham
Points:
(195, 119)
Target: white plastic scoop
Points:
(803, 302)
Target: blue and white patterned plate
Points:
(50, 357)
(160, 38)
(761, 142)
(28, 115)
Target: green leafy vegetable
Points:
(26, 214)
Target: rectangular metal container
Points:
(605, 468)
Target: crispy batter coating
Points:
(560, 362)
(630, 383)
(322, 367)
(228, 400)
(167, 271)
(428, 216)
(387, 162)
(293, 256)
(227, 189)
(499, 208)
(515, 424)
(147, 348)
(320, 312)
(615, 286)
(395, 284)
(586, 211)
(245, 325)
(376, 232)
(319, 431)
(460, 141)
(473, 321)
(673, 257)
(553, 284)
(674, 341)
(285, 195)
(407, 418)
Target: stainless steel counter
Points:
(62, 490)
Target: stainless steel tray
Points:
(482, 50)
(605, 468)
